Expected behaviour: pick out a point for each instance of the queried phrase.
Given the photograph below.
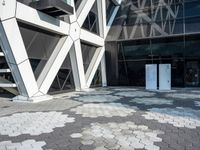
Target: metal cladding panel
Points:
(41, 20)
(6, 5)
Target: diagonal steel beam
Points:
(91, 38)
(17, 58)
(54, 63)
(101, 8)
(77, 66)
(84, 11)
(94, 65)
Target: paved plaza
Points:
(112, 118)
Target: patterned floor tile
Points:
(25, 145)
(125, 135)
(135, 94)
(178, 117)
(197, 103)
(106, 119)
(184, 95)
(97, 98)
(33, 123)
(152, 101)
(104, 110)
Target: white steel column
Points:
(76, 57)
(17, 58)
(103, 71)
(101, 8)
(77, 66)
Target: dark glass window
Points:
(192, 46)
(168, 47)
(110, 6)
(134, 55)
(192, 25)
(136, 49)
(192, 8)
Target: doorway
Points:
(192, 74)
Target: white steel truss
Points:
(30, 89)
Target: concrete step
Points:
(4, 70)
(7, 85)
(1, 54)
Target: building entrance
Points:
(181, 52)
(192, 74)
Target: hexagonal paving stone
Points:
(108, 136)
(152, 101)
(178, 117)
(97, 91)
(164, 91)
(195, 91)
(98, 98)
(183, 95)
(76, 135)
(125, 89)
(197, 103)
(105, 110)
(68, 95)
(135, 94)
(33, 123)
(25, 145)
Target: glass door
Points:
(192, 74)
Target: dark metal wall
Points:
(112, 63)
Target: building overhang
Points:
(53, 8)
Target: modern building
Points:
(155, 32)
(52, 46)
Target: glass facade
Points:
(88, 52)
(64, 79)
(97, 80)
(183, 53)
(153, 18)
(91, 22)
(39, 45)
(110, 6)
(157, 33)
